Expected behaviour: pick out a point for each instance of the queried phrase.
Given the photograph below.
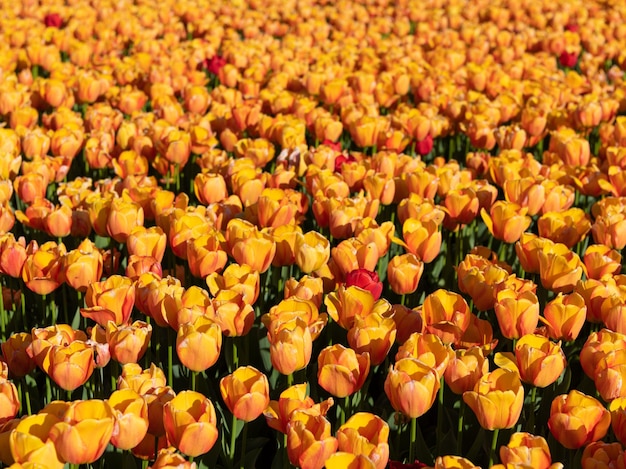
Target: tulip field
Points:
(352, 234)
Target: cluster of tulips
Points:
(356, 234)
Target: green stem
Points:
(459, 430)
(494, 444)
(235, 363)
(413, 441)
(290, 380)
(244, 438)
(440, 411)
(170, 358)
(233, 441)
(193, 380)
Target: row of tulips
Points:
(356, 219)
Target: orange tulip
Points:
(278, 413)
(617, 407)
(352, 254)
(130, 411)
(12, 255)
(139, 380)
(374, 334)
(70, 366)
(9, 400)
(242, 279)
(245, 393)
(506, 221)
(404, 273)
(524, 448)
(307, 288)
(465, 369)
(85, 431)
(422, 238)
(537, 360)
(128, 343)
(341, 371)
(15, 353)
(168, 458)
(365, 434)
(30, 442)
(577, 419)
(608, 375)
(568, 227)
(428, 349)
(83, 266)
(559, 268)
(411, 387)
(198, 344)
(291, 344)
(124, 215)
(257, 250)
(210, 188)
(446, 315)
(497, 399)
(309, 440)
(110, 300)
(143, 241)
(205, 254)
(190, 423)
(346, 303)
(601, 261)
(603, 455)
(345, 460)
(565, 316)
(43, 269)
(517, 313)
(312, 251)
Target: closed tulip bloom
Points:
(428, 349)
(568, 227)
(85, 432)
(29, 442)
(239, 278)
(307, 288)
(190, 423)
(517, 313)
(124, 215)
(365, 434)
(577, 419)
(617, 407)
(528, 248)
(465, 369)
(12, 255)
(608, 375)
(600, 455)
(312, 251)
(446, 315)
(353, 254)
(497, 399)
(245, 392)
(565, 316)
(143, 241)
(128, 343)
(168, 458)
(374, 334)
(411, 387)
(506, 221)
(69, 366)
(422, 238)
(408, 321)
(198, 344)
(210, 188)
(110, 300)
(205, 254)
(296, 308)
(559, 269)
(525, 448)
(404, 273)
(232, 313)
(9, 400)
(309, 440)
(346, 460)
(602, 261)
(341, 371)
(537, 360)
(278, 413)
(15, 353)
(43, 269)
(83, 266)
(291, 344)
(130, 411)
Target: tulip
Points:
(139, 380)
(210, 188)
(506, 221)
(206, 255)
(312, 251)
(110, 300)
(143, 241)
(70, 366)
(307, 288)
(43, 268)
(15, 353)
(517, 313)
(168, 458)
(600, 455)
(446, 315)
(601, 261)
(232, 313)
(497, 399)
(9, 400)
(577, 419)
(559, 269)
(130, 411)
(565, 316)
(568, 227)
(12, 255)
(617, 407)
(366, 280)
(375, 334)
(341, 371)
(466, 369)
(537, 360)
(124, 215)
(524, 448)
(428, 349)
(278, 413)
(404, 273)
(353, 255)
(128, 343)
(411, 387)
(256, 250)
(608, 374)
(85, 432)
(245, 392)
(309, 441)
(345, 460)
(290, 344)
(365, 434)
(190, 423)
(422, 238)
(30, 441)
(242, 279)
(198, 344)
(83, 266)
